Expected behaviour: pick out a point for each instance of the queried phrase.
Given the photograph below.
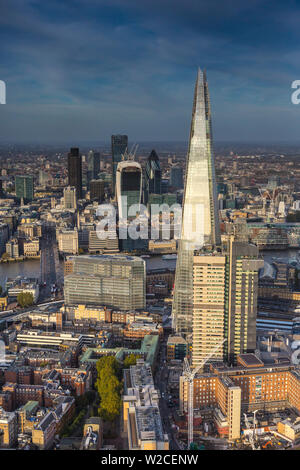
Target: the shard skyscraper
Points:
(200, 224)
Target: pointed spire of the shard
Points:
(200, 188)
(200, 223)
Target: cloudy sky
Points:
(84, 69)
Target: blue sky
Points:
(84, 69)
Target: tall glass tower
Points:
(93, 166)
(119, 145)
(200, 224)
(152, 176)
(75, 170)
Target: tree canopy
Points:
(130, 360)
(109, 388)
(25, 299)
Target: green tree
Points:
(109, 388)
(25, 299)
(130, 360)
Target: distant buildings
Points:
(18, 285)
(116, 281)
(152, 184)
(93, 166)
(12, 248)
(97, 190)
(176, 177)
(75, 170)
(129, 185)
(105, 246)
(70, 200)
(68, 241)
(24, 187)
(119, 145)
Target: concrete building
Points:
(30, 230)
(31, 248)
(177, 348)
(68, 241)
(52, 339)
(12, 248)
(162, 246)
(248, 386)
(141, 416)
(70, 201)
(9, 428)
(102, 246)
(225, 288)
(112, 280)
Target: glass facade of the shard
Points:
(200, 224)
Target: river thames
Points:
(31, 268)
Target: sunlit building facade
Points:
(200, 225)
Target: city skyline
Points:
(149, 277)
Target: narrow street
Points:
(49, 264)
(161, 382)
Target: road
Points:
(49, 263)
(161, 381)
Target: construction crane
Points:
(130, 155)
(189, 374)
